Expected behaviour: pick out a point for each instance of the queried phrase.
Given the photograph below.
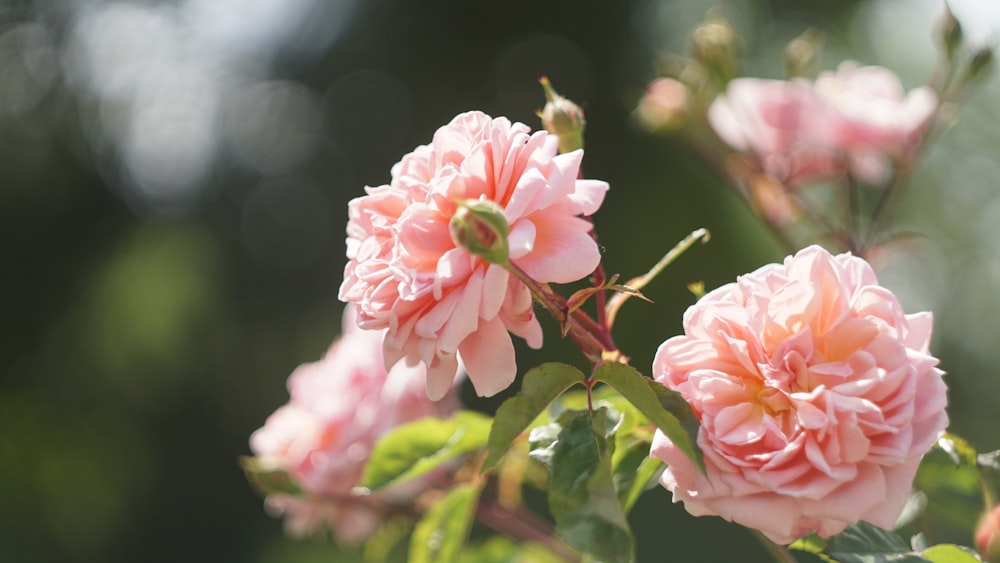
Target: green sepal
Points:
(267, 478)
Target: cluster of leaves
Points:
(594, 447)
(585, 441)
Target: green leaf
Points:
(811, 543)
(540, 387)
(582, 495)
(441, 533)
(267, 478)
(645, 477)
(542, 441)
(950, 553)
(624, 472)
(390, 534)
(865, 543)
(808, 557)
(413, 449)
(663, 407)
(499, 549)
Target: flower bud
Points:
(802, 52)
(664, 106)
(715, 44)
(949, 30)
(982, 60)
(988, 536)
(480, 227)
(562, 118)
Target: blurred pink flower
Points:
(987, 538)
(786, 125)
(878, 120)
(857, 119)
(338, 408)
(440, 303)
(665, 104)
(817, 398)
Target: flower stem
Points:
(523, 526)
(641, 281)
(593, 339)
(780, 553)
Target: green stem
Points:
(780, 553)
(641, 281)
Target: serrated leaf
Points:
(663, 407)
(582, 495)
(950, 553)
(267, 478)
(411, 450)
(866, 543)
(440, 535)
(540, 387)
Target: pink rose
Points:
(857, 119)
(339, 407)
(817, 398)
(879, 121)
(664, 104)
(987, 538)
(439, 303)
(786, 125)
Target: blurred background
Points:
(173, 187)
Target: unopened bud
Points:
(981, 61)
(562, 118)
(664, 106)
(802, 53)
(716, 45)
(949, 30)
(988, 536)
(480, 227)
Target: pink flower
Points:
(664, 104)
(987, 538)
(339, 407)
(817, 398)
(786, 125)
(439, 303)
(856, 120)
(878, 120)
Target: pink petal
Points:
(563, 252)
(488, 356)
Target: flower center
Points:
(773, 400)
